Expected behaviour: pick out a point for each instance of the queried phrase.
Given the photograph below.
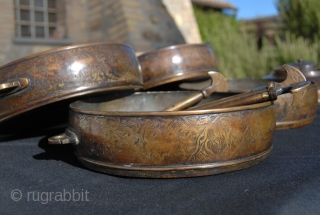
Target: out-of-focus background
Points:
(246, 45)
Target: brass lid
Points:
(177, 63)
(65, 73)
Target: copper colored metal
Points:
(64, 73)
(309, 69)
(177, 63)
(218, 84)
(295, 109)
(252, 97)
(132, 137)
(303, 102)
(259, 95)
(234, 85)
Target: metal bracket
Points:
(9, 88)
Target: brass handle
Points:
(13, 86)
(258, 95)
(218, 83)
(293, 76)
(68, 137)
(251, 97)
(184, 104)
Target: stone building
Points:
(31, 26)
(215, 5)
(264, 27)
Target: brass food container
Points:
(298, 108)
(176, 63)
(293, 110)
(309, 69)
(131, 136)
(65, 73)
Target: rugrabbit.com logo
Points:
(44, 197)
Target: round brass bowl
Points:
(310, 76)
(294, 109)
(176, 63)
(298, 108)
(64, 73)
(131, 136)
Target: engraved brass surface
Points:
(176, 63)
(65, 73)
(309, 69)
(131, 136)
(303, 107)
(298, 108)
(294, 110)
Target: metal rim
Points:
(183, 76)
(166, 113)
(170, 48)
(62, 49)
(178, 167)
(294, 123)
(179, 171)
(46, 101)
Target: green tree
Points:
(301, 17)
(236, 50)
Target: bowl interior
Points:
(139, 102)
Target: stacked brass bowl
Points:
(119, 124)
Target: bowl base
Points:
(178, 171)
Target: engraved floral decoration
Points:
(168, 140)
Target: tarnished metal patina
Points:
(132, 137)
(176, 63)
(261, 94)
(64, 73)
(309, 70)
(298, 108)
(294, 109)
(218, 84)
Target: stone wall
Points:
(10, 50)
(143, 24)
(77, 20)
(6, 30)
(182, 13)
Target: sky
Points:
(249, 9)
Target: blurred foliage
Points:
(301, 17)
(236, 49)
(290, 48)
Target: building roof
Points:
(214, 4)
(275, 18)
